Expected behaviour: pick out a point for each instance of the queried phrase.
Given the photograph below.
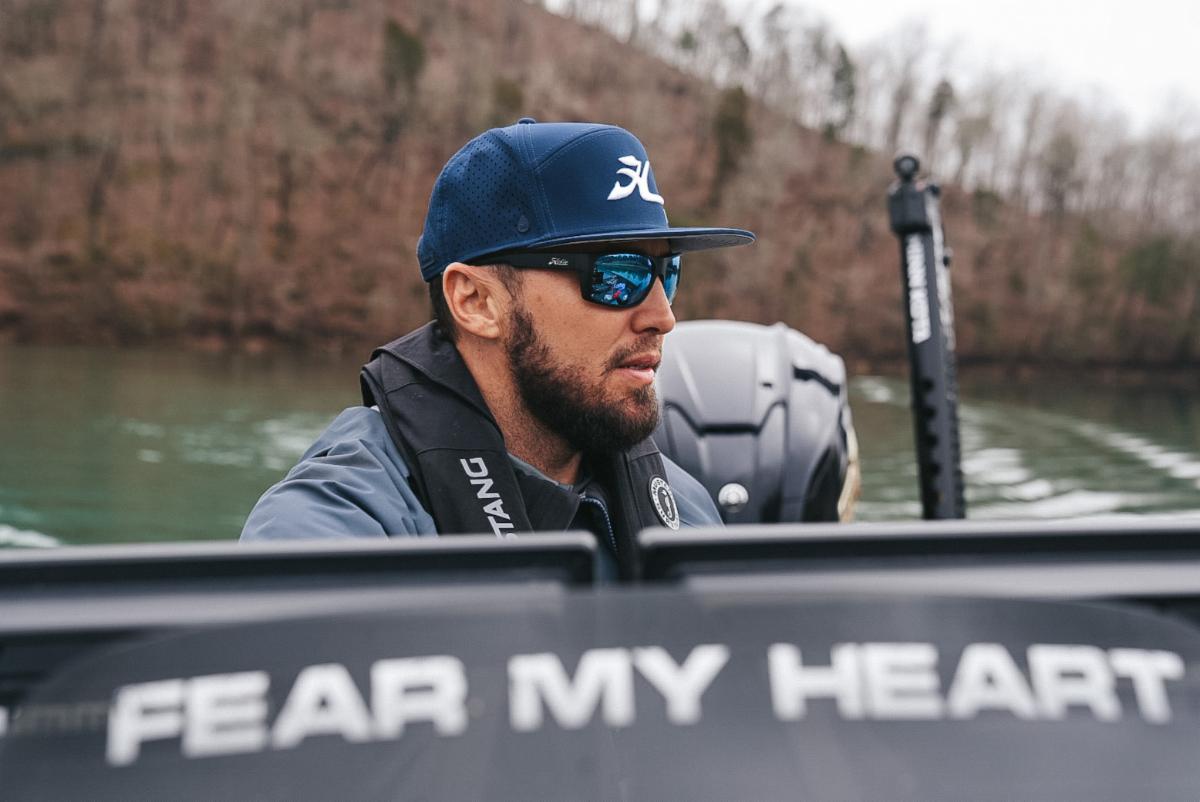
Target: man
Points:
(529, 402)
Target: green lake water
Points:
(104, 445)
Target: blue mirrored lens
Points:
(671, 278)
(621, 279)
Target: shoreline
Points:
(267, 348)
(1105, 373)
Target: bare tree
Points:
(1160, 156)
(1059, 166)
(772, 80)
(911, 42)
(634, 24)
(969, 131)
(1030, 133)
(844, 93)
(940, 104)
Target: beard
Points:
(565, 401)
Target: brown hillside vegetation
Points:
(245, 174)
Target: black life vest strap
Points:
(461, 470)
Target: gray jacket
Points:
(352, 482)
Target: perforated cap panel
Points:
(482, 197)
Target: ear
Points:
(477, 299)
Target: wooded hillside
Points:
(248, 174)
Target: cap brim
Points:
(680, 239)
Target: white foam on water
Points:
(275, 443)
(150, 455)
(887, 510)
(1182, 515)
(1072, 504)
(26, 538)
(996, 466)
(875, 390)
(1176, 464)
(143, 428)
(289, 437)
(276, 464)
(972, 433)
(1033, 490)
(218, 456)
(1185, 470)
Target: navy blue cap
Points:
(540, 185)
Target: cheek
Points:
(579, 333)
(589, 340)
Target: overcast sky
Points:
(1143, 56)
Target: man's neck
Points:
(530, 441)
(524, 436)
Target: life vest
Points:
(461, 471)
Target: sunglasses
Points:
(609, 279)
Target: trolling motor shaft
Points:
(914, 211)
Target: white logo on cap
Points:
(639, 178)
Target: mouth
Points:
(640, 367)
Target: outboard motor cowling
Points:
(759, 414)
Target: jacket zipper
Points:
(598, 504)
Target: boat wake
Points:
(1021, 462)
(25, 538)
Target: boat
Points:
(789, 654)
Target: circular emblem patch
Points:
(664, 502)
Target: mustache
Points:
(644, 344)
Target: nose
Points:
(654, 314)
